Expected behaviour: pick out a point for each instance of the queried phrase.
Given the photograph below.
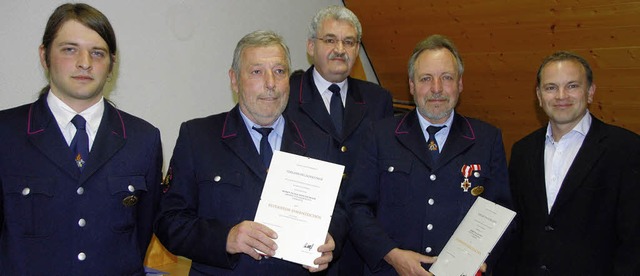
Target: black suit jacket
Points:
(43, 195)
(217, 179)
(594, 225)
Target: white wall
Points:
(173, 56)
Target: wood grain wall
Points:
(502, 44)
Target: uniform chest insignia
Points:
(466, 171)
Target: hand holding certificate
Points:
(297, 202)
(474, 238)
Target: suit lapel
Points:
(535, 165)
(355, 109)
(587, 157)
(409, 134)
(312, 104)
(43, 132)
(292, 140)
(111, 137)
(238, 141)
(460, 138)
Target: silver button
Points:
(26, 191)
(131, 188)
(217, 178)
(80, 191)
(82, 256)
(432, 177)
(431, 201)
(429, 226)
(476, 174)
(82, 222)
(428, 250)
(390, 169)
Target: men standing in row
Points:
(574, 183)
(220, 164)
(79, 179)
(419, 174)
(326, 98)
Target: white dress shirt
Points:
(63, 114)
(558, 156)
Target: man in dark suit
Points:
(326, 98)
(574, 183)
(217, 171)
(412, 186)
(79, 179)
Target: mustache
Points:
(438, 97)
(334, 55)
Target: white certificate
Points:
(297, 202)
(473, 240)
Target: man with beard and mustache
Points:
(220, 163)
(326, 98)
(410, 190)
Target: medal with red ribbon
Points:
(466, 172)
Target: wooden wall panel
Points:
(503, 43)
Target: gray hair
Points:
(562, 56)
(435, 42)
(337, 13)
(259, 38)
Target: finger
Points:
(326, 248)
(483, 268)
(266, 245)
(427, 259)
(325, 258)
(264, 230)
(316, 269)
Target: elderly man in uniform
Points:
(419, 174)
(220, 163)
(326, 98)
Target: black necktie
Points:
(433, 144)
(336, 107)
(265, 148)
(80, 143)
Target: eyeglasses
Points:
(332, 41)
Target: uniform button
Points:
(82, 222)
(431, 201)
(548, 228)
(427, 250)
(476, 174)
(343, 149)
(217, 178)
(432, 177)
(543, 267)
(131, 188)
(429, 226)
(390, 169)
(26, 191)
(80, 191)
(82, 256)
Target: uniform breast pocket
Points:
(126, 193)
(221, 196)
(29, 205)
(395, 181)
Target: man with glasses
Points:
(326, 98)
